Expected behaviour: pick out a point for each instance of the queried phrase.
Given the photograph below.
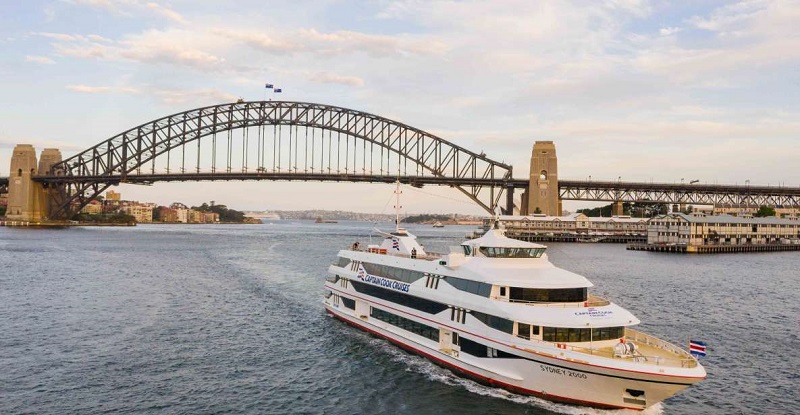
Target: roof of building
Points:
(574, 217)
(771, 220)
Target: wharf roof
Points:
(574, 217)
(730, 219)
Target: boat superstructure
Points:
(494, 309)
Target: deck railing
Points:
(592, 301)
(683, 359)
(426, 256)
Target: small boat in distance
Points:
(320, 220)
(438, 224)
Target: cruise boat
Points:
(494, 309)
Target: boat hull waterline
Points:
(552, 379)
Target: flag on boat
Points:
(396, 244)
(697, 347)
(278, 90)
(268, 86)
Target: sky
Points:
(634, 90)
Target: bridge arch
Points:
(132, 155)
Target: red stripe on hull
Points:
(480, 378)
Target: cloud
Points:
(329, 78)
(341, 42)
(667, 31)
(39, 59)
(204, 96)
(102, 89)
(259, 40)
(168, 96)
(167, 12)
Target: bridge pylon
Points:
(27, 199)
(543, 188)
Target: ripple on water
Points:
(229, 319)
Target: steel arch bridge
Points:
(274, 140)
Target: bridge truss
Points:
(274, 140)
(696, 194)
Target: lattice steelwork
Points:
(274, 140)
(697, 194)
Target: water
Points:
(228, 319)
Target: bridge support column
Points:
(509, 210)
(617, 209)
(543, 187)
(27, 199)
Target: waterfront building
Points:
(168, 215)
(113, 196)
(575, 224)
(93, 208)
(142, 213)
(699, 229)
(738, 210)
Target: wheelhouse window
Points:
(497, 252)
(564, 334)
(541, 295)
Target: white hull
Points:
(535, 374)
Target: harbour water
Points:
(228, 319)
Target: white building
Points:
(576, 223)
(701, 229)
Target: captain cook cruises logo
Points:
(381, 282)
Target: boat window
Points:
(405, 324)
(497, 323)
(481, 350)
(343, 262)
(394, 273)
(421, 304)
(467, 250)
(541, 295)
(478, 288)
(564, 334)
(497, 252)
(524, 330)
(349, 303)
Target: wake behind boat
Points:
(496, 310)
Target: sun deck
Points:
(650, 350)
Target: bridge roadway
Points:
(585, 190)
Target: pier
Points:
(712, 249)
(619, 239)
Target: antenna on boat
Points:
(397, 206)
